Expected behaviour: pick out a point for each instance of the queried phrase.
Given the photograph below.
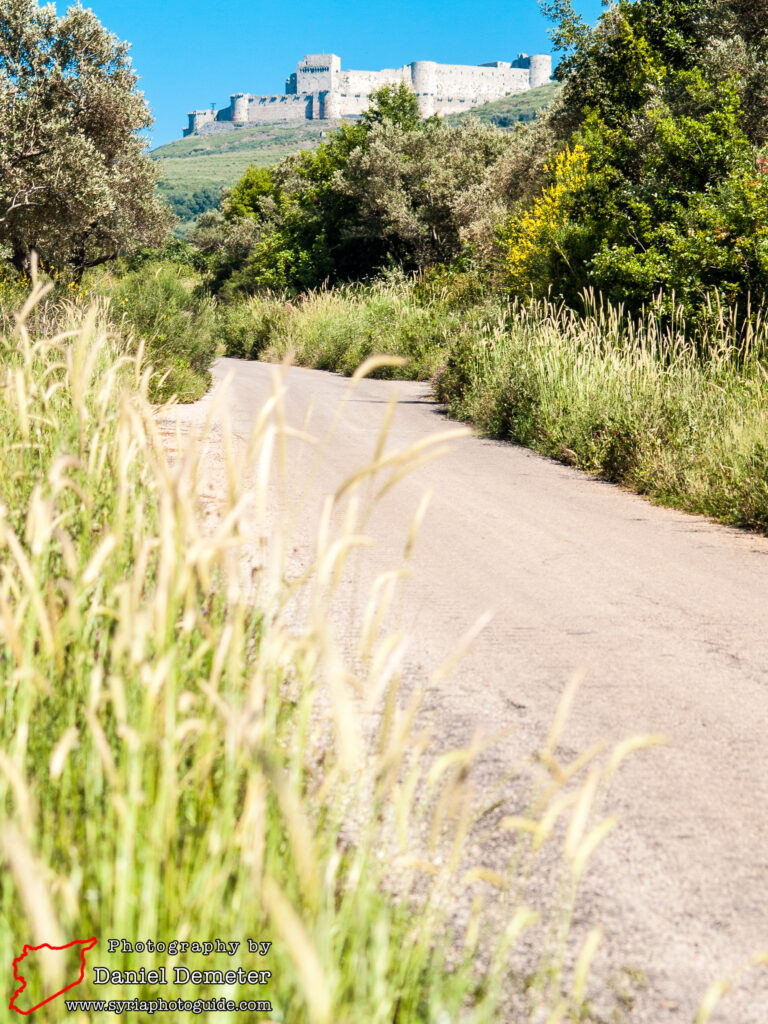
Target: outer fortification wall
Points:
(459, 87)
(320, 90)
(354, 88)
(266, 109)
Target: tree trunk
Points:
(23, 257)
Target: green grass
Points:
(339, 329)
(630, 403)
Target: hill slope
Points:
(510, 110)
(197, 168)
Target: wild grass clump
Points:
(173, 319)
(14, 288)
(53, 310)
(338, 329)
(632, 403)
(179, 759)
(155, 302)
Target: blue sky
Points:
(190, 54)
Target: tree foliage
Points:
(407, 188)
(74, 183)
(393, 104)
(671, 196)
(386, 188)
(620, 63)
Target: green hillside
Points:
(197, 168)
(507, 112)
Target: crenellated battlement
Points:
(320, 90)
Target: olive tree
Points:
(408, 188)
(75, 185)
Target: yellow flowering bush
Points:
(531, 239)
(14, 288)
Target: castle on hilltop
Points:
(320, 90)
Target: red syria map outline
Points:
(86, 944)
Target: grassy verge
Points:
(158, 307)
(639, 408)
(178, 762)
(629, 402)
(338, 329)
(163, 307)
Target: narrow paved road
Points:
(666, 613)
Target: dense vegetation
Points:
(78, 193)
(663, 188)
(645, 176)
(390, 189)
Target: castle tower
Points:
(541, 69)
(317, 73)
(197, 119)
(330, 105)
(424, 81)
(239, 107)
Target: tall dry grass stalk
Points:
(181, 761)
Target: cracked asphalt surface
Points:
(666, 615)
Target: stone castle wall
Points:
(320, 90)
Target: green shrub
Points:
(245, 328)
(165, 308)
(176, 252)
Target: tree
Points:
(75, 185)
(254, 195)
(619, 65)
(735, 35)
(393, 104)
(407, 188)
(570, 32)
(658, 192)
